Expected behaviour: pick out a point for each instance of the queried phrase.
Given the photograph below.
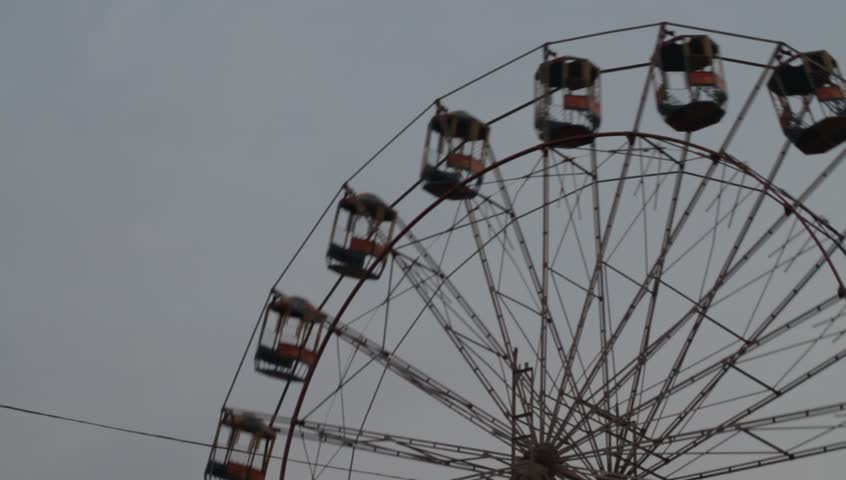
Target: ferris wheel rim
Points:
(790, 204)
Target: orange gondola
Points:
(364, 224)
(456, 147)
(242, 447)
(291, 330)
(808, 94)
(568, 101)
(690, 84)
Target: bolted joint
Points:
(789, 210)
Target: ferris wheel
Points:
(642, 286)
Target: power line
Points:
(172, 438)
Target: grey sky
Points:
(162, 159)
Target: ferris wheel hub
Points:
(541, 462)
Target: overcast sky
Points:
(162, 159)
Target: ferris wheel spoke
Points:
(524, 180)
(597, 284)
(714, 404)
(769, 277)
(309, 462)
(765, 338)
(600, 241)
(694, 302)
(759, 336)
(669, 333)
(786, 263)
(507, 253)
(456, 226)
(395, 293)
(796, 382)
(637, 387)
(586, 429)
(726, 217)
(715, 452)
(492, 288)
(609, 420)
(620, 457)
(810, 345)
(534, 276)
(711, 452)
(573, 212)
(515, 225)
(570, 281)
(519, 385)
(833, 336)
(460, 457)
(704, 304)
(823, 431)
(714, 230)
(449, 312)
(589, 462)
(699, 307)
(345, 372)
(683, 417)
(518, 271)
(570, 227)
(465, 349)
(545, 316)
(719, 364)
(770, 460)
(764, 424)
(453, 290)
(428, 385)
(659, 261)
(641, 214)
(465, 344)
(778, 223)
(635, 393)
(496, 474)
